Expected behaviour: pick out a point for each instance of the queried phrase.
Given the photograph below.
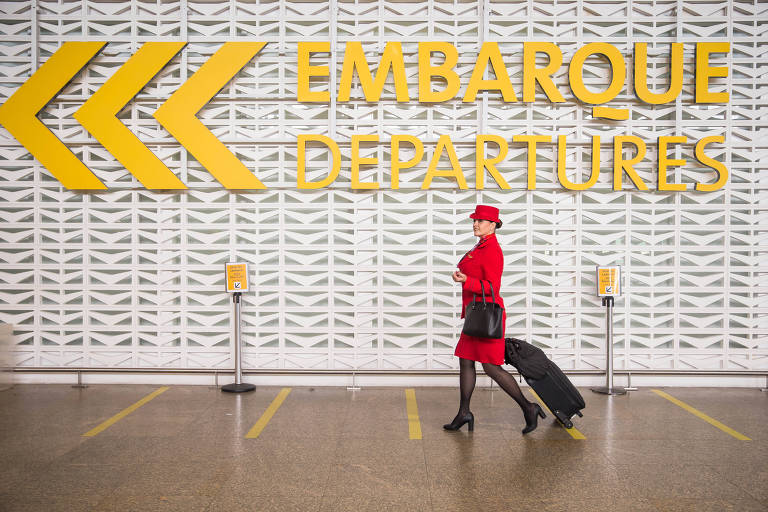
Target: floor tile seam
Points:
(604, 456)
(729, 479)
(427, 476)
(326, 485)
(66, 455)
(68, 493)
(220, 493)
(639, 491)
(653, 505)
(100, 505)
(667, 465)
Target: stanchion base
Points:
(610, 391)
(238, 388)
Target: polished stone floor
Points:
(335, 450)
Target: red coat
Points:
(485, 263)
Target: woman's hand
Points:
(459, 277)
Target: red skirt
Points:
(483, 350)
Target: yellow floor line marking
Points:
(573, 431)
(701, 415)
(125, 412)
(414, 425)
(271, 410)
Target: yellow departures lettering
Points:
(629, 152)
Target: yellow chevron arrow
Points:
(98, 115)
(177, 115)
(19, 115)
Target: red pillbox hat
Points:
(483, 212)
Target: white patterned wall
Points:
(361, 279)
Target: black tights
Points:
(467, 377)
(505, 380)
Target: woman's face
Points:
(483, 227)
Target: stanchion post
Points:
(608, 303)
(353, 387)
(239, 386)
(629, 382)
(80, 381)
(609, 388)
(608, 287)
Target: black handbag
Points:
(530, 361)
(484, 319)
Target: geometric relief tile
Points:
(345, 278)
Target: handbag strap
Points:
(482, 287)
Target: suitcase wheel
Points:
(563, 419)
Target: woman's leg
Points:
(507, 382)
(467, 378)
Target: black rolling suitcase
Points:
(561, 397)
(546, 379)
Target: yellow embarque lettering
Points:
(704, 72)
(306, 72)
(444, 71)
(561, 171)
(356, 162)
(665, 161)
(675, 75)
(301, 161)
(620, 165)
(482, 163)
(719, 167)
(576, 73)
(396, 164)
(444, 144)
(490, 52)
(532, 140)
(391, 59)
(543, 76)
(392, 62)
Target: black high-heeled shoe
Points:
(532, 421)
(460, 420)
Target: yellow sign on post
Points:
(608, 281)
(237, 277)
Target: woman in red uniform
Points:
(485, 263)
